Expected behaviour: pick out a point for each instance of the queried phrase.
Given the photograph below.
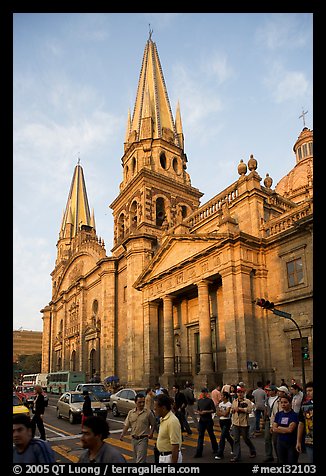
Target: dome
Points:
(297, 184)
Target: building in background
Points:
(175, 299)
(26, 343)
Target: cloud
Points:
(198, 102)
(217, 66)
(286, 85)
(283, 31)
(27, 276)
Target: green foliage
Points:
(28, 364)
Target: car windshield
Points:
(16, 401)
(93, 398)
(97, 388)
(77, 398)
(28, 389)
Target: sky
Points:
(242, 80)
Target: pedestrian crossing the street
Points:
(73, 451)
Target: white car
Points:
(70, 405)
(124, 400)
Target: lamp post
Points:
(270, 307)
(286, 315)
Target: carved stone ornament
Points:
(242, 168)
(268, 181)
(252, 163)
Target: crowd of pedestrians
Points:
(285, 415)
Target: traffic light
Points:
(305, 352)
(265, 304)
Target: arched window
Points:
(95, 307)
(121, 226)
(175, 165)
(73, 361)
(160, 211)
(92, 362)
(163, 160)
(133, 166)
(133, 214)
(184, 211)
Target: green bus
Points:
(62, 381)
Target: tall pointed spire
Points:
(178, 126)
(152, 98)
(77, 209)
(128, 128)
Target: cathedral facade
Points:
(176, 298)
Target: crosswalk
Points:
(73, 452)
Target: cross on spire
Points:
(150, 31)
(303, 117)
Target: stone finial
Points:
(252, 163)
(242, 168)
(268, 181)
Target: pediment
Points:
(77, 268)
(175, 252)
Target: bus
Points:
(62, 381)
(29, 379)
(35, 379)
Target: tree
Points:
(29, 364)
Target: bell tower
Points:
(155, 192)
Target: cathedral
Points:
(176, 298)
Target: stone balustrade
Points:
(278, 225)
(214, 205)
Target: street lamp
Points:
(270, 307)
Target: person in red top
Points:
(216, 395)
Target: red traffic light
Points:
(265, 304)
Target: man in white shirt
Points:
(271, 408)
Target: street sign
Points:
(281, 313)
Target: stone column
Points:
(150, 342)
(168, 359)
(205, 338)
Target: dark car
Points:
(97, 389)
(124, 400)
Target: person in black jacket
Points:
(38, 412)
(180, 403)
(87, 407)
(206, 408)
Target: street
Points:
(64, 439)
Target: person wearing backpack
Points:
(27, 449)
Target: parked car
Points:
(124, 400)
(70, 405)
(18, 406)
(98, 389)
(27, 395)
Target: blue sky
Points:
(242, 80)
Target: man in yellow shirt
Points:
(169, 438)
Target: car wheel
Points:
(71, 418)
(115, 411)
(58, 413)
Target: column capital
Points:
(203, 282)
(168, 297)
